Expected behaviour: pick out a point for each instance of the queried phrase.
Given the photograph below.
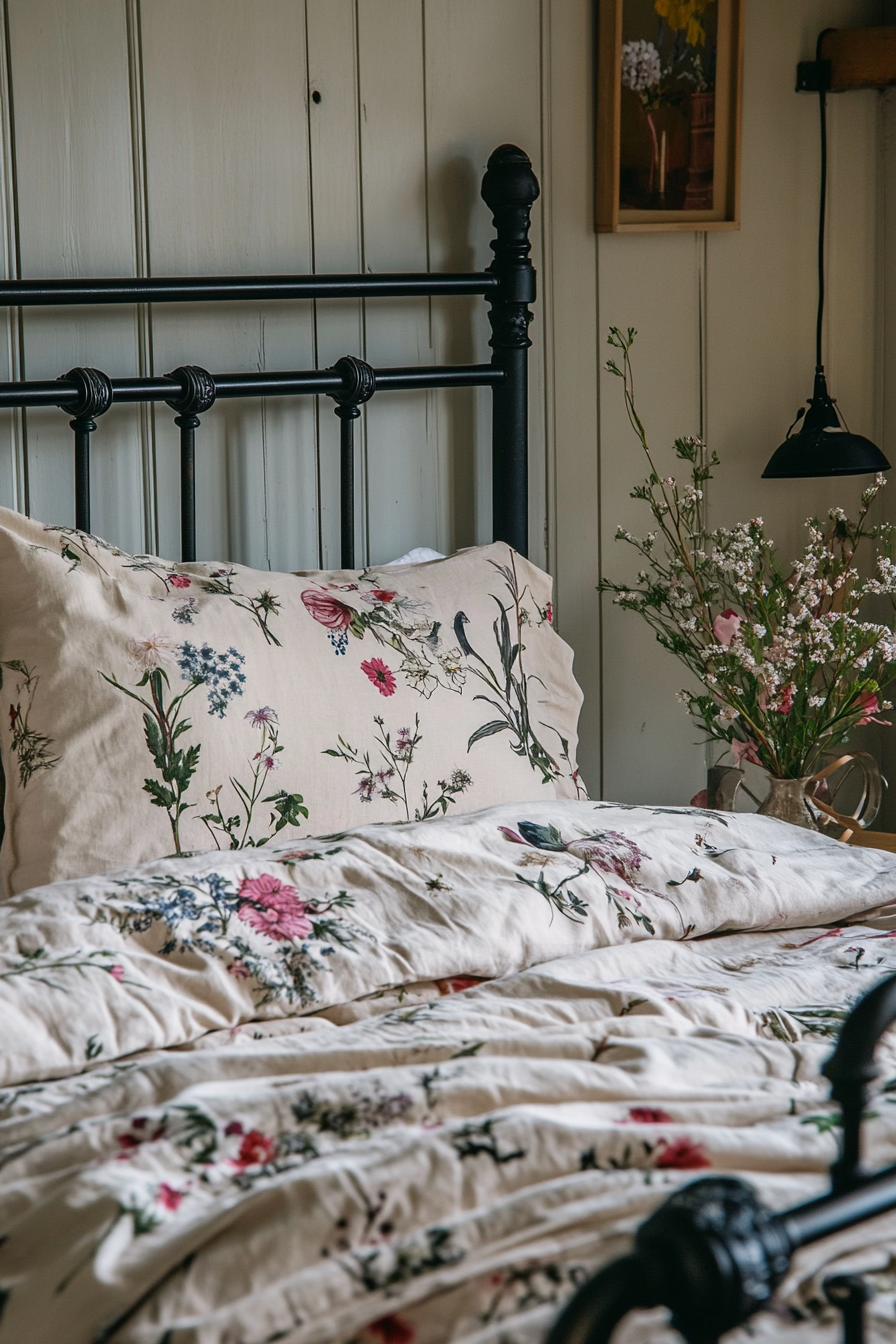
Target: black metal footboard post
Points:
(509, 189)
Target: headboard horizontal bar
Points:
(324, 382)
(211, 289)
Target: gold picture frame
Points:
(668, 108)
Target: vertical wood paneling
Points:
(483, 88)
(227, 185)
(646, 281)
(853, 334)
(13, 479)
(70, 79)
(405, 500)
(336, 208)
(886, 365)
(567, 309)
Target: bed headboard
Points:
(509, 189)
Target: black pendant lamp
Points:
(823, 445)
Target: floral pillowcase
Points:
(158, 708)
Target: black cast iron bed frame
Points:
(509, 188)
(712, 1253)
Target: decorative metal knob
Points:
(93, 399)
(197, 393)
(358, 385)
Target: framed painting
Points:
(668, 106)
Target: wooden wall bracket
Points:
(861, 58)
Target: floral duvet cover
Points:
(414, 1083)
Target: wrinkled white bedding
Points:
(414, 1083)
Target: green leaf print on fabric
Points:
(609, 853)
(223, 678)
(288, 809)
(262, 607)
(508, 687)
(34, 750)
(387, 1267)
(478, 1139)
(390, 779)
(40, 963)
(75, 546)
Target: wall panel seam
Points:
(15, 336)
(146, 417)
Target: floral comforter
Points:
(414, 1083)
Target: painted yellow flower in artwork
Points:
(685, 14)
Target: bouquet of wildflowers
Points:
(788, 659)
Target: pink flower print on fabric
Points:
(273, 907)
(259, 717)
(381, 676)
(681, 1155)
(117, 972)
(178, 580)
(168, 1197)
(647, 1115)
(153, 652)
(256, 1149)
(391, 1330)
(727, 626)
(329, 611)
(268, 761)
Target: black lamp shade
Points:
(823, 446)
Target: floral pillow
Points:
(158, 708)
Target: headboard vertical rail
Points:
(358, 386)
(197, 397)
(94, 397)
(510, 189)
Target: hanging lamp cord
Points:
(822, 203)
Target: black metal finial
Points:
(197, 396)
(358, 386)
(509, 189)
(93, 399)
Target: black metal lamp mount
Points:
(823, 445)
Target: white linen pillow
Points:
(153, 704)
(419, 555)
